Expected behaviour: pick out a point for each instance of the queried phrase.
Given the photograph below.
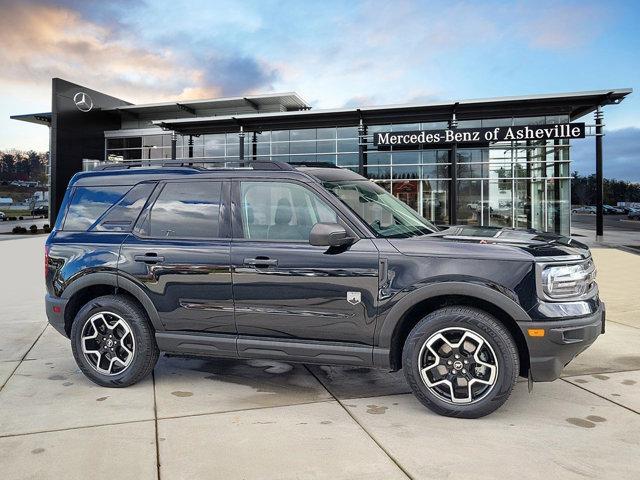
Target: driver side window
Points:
(281, 211)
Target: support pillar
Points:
(174, 145)
(453, 187)
(190, 146)
(254, 146)
(557, 218)
(241, 145)
(362, 149)
(599, 176)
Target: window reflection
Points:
(186, 210)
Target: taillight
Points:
(46, 261)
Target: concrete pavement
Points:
(228, 419)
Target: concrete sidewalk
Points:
(209, 419)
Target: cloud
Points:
(621, 154)
(41, 41)
(560, 27)
(236, 75)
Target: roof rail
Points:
(189, 163)
(314, 164)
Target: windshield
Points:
(387, 216)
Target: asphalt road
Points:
(611, 222)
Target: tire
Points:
(135, 348)
(491, 366)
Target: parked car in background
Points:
(634, 214)
(40, 211)
(3, 217)
(608, 210)
(313, 265)
(611, 210)
(586, 209)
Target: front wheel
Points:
(113, 342)
(460, 362)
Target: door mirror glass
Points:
(329, 235)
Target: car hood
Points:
(500, 243)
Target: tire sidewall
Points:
(134, 319)
(491, 331)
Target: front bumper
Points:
(563, 340)
(55, 307)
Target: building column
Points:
(453, 187)
(362, 149)
(174, 145)
(556, 186)
(254, 146)
(241, 145)
(528, 170)
(190, 146)
(599, 175)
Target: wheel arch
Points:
(410, 310)
(95, 285)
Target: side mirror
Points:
(329, 235)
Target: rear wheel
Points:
(113, 342)
(461, 362)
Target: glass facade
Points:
(521, 184)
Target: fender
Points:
(117, 281)
(384, 337)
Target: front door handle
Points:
(261, 262)
(149, 258)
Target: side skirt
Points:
(299, 351)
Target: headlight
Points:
(567, 281)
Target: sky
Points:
(332, 53)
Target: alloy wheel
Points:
(107, 343)
(458, 365)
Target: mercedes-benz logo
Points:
(83, 101)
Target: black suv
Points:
(315, 265)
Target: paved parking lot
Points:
(210, 419)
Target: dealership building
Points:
(490, 162)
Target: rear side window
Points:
(186, 210)
(89, 203)
(122, 216)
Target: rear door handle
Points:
(261, 262)
(149, 258)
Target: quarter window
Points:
(186, 210)
(281, 211)
(89, 203)
(123, 215)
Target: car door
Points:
(179, 252)
(287, 289)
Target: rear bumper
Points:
(55, 308)
(562, 342)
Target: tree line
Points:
(23, 165)
(583, 190)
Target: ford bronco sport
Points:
(315, 265)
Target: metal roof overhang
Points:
(288, 101)
(575, 105)
(38, 118)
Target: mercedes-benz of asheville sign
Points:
(480, 135)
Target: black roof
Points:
(573, 104)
